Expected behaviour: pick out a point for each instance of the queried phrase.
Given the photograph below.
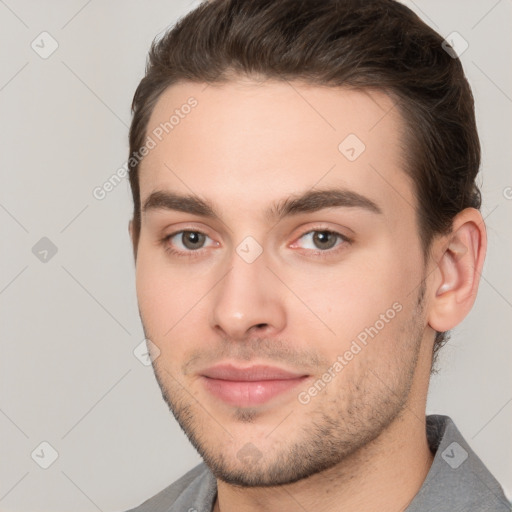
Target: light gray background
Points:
(69, 326)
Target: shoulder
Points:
(196, 489)
(458, 479)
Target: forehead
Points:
(254, 142)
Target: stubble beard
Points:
(336, 429)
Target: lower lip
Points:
(249, 393)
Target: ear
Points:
(460, 256)
(132, 238)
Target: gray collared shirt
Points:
(457, 481)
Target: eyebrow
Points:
(310, 201)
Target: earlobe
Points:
(458, 271)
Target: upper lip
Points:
(249, 373)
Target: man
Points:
(306, 231)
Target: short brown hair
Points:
(379, 44)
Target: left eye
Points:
(322, 239)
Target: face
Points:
(278, 271)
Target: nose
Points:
(248, 301)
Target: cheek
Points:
(160, 296)
(352, 295)
(169, 304)
(359, 306)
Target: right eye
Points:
(182, 242)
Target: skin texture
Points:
(300, 304)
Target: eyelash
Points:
(191, 254)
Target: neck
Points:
(385, 475)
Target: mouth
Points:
(250, 386)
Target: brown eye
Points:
(325, 239)
(192, 239)
(323, 242)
